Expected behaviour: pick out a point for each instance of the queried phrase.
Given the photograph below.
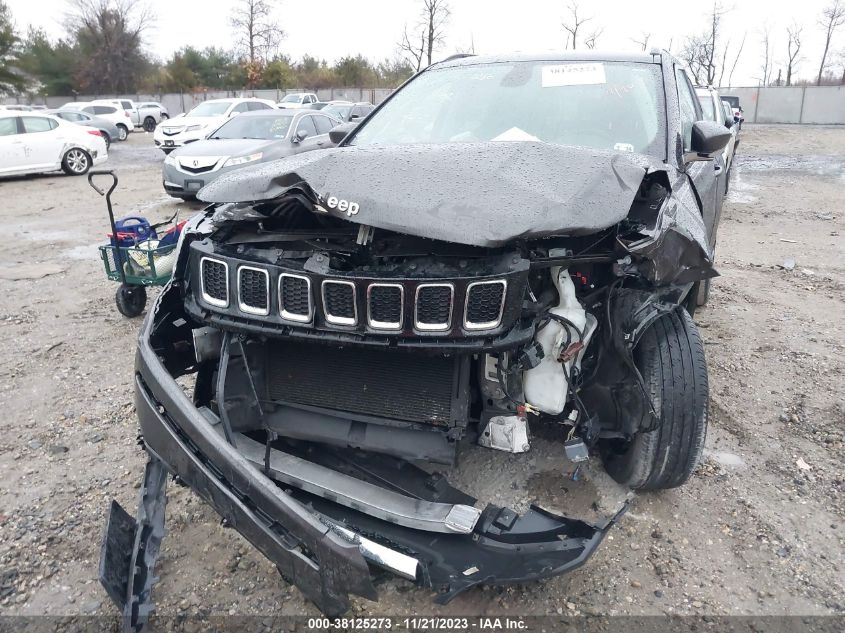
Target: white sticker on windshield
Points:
(573, 75)
(515, 134)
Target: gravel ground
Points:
(757, 531)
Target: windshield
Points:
(707, 107)
(211, 108)
(338, 111)
(603, 105)
(263, 127)
(292, 99)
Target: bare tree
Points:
(736, 59)
(435, 14)
(766, 68)
(411, 51)
(109, 36)
(573, 24)
(590, 40)
(833, 17)
(700, 51)
(643, 41)
(793, 48)
(257, 32)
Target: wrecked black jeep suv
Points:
(505, 245)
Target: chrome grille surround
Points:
(433, 327)
(251, 309)
(485, 325)
(386, 325)
(339, 319)
(218, 303)
(295, 316)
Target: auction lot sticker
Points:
(573, 75)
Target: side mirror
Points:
(729, 121)
(708, 138)
(338, 133)
(300, 136)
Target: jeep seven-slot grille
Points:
(434, 306)
(427, 307)
(484, 304)
(295, 297)
(339, 302)
(380, 383)
(253, 290)
(215, 282)
(385, 306)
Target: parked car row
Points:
(720, 111)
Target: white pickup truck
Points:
(141, 115)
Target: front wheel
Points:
(76, 162)
(670, 357)
(130, 300)
(106, 138)
(122, 132)
(149, 124)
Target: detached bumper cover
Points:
(298, 532)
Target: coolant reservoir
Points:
(545, 385)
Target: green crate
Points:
(143, 266)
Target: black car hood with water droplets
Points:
(481, 194)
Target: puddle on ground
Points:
(740, 190)
(725, 459)
(818, 165)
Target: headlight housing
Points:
(194, 128)
(240, 160)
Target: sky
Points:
(330, 29)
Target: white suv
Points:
(109, 111)
(298, 100)
(203, 119)
(146, 118)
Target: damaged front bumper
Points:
(324, 548)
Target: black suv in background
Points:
(506, 246)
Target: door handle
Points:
(718, 169)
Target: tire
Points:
(76, 162)
(106, 138)
(122, 132)
(670, 357)
(130, 300)
(728, 179)
(149, 124)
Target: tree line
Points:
(103, 53)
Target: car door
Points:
(43, 141)
(324, 125)
(12, 157)
(305, 136)
(703, 175)
(129, 107)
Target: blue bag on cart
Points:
(132, 230)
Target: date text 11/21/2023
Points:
(415, 623)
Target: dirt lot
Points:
(758, 530)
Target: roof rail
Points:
(456, 56)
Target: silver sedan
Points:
(249, 138)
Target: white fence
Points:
(791, 104)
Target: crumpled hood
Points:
(482, 194)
